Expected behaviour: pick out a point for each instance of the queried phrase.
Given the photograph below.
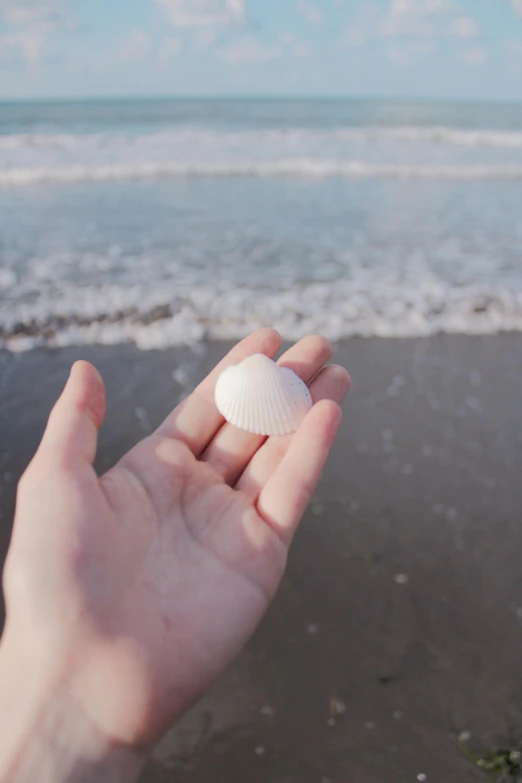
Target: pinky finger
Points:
(284, 499)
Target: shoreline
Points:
(403, 596)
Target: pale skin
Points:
(128, 595)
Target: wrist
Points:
(46, 736)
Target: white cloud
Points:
(302, 50)
(135, 47)
(26, 46)
(168, 48)
(420, 7)
(475, 56)
(517, 5)
(354, 36)
(25, 13)
(464, 27)
(417, 19)
(294, 45)
(402, 7)
(400, 57)
(405, 55)
(364, 26)
(413, 27)
(237, 6)
(439, 6)
(205, 37)
(311, 13)
(203, 13)
(31, 23)
(407, 26)
(249, 51)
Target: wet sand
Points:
(398, 626)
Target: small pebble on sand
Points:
(473, 403)
(181, 376)
(337, 707)
(143, 418)
(464, 736)
(421, 777)
(312, 628)
(395, 386)
(259, 751)
(401, 579)
(398, 715)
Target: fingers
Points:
(232, 449)
(197, 419)
(72, 430)
(288, 491)
(332, 383)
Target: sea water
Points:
(171, 221)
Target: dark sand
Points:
(403, 596)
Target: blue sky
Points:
(396, 48)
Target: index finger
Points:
(196, 420)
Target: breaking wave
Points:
(337, 310)
(498, 139)
(293, 168)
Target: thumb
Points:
(72, 430)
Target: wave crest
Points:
(293, 168)
(412, 134)
(337, 310)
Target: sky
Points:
(456, 49)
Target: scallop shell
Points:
(259, 396)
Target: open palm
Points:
(143, 584)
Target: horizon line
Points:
(256, 97)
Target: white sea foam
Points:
(353, 153)
(294, 168)
(442, 135)
(412, 134)
(337, 310)
(18, 141)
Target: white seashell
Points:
(259, 396)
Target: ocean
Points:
(169, 221)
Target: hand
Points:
(132, 592)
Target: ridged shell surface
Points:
(259, 396)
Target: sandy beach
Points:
(393, 648)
